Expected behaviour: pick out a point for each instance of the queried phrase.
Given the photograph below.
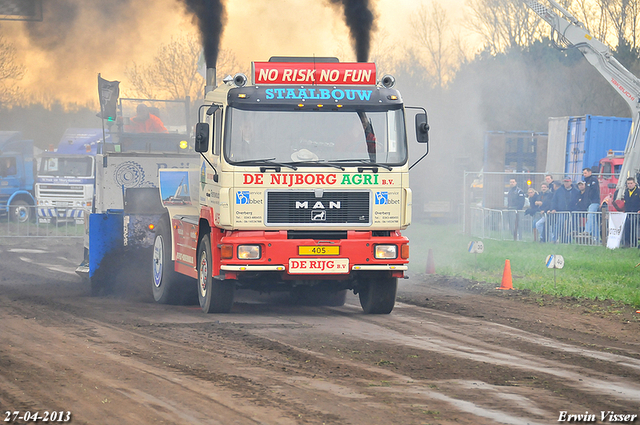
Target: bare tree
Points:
(432, 29)
(176, 71)
(593, 15)
(10, 72)
(503, 24)
(623, 16)
(382, 52)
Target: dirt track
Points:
(451, 352)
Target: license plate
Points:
(62, 204)
(318, 265)
(318, 250)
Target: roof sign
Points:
(296, 73)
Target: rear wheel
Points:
(379, 295)
(215, 296)
(166, 283)
(20, 211)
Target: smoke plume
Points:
(360, 20)
(211, 18)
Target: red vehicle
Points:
(609, 173)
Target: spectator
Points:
(548, 179)
(580, 208)
(145, 122)
(564, 198)
(544, 204)
(533, 210)
(582, 201)
(593, 197)
(532, 196)
(515, 201)
(631, 200)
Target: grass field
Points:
(589, 272)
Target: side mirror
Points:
(202, 137)
(212, 109)
(422, 128)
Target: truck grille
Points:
(308, 207)
(62, 191)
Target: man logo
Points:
(382, 198)
(319, 215)
(242, 197)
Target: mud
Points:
(452, 351)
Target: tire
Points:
(215, 296)
(166, 284)
(20, 212)
(379, 296)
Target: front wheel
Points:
(379, 295)
(165, 283)
(20, 211)
(215, 296)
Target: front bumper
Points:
(281, 254)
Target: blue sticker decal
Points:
(382, 198)
(242, 197)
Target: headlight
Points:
(385, 252)
(248, 252)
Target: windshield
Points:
(308, 136)
(80, 166)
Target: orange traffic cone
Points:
(431, 267)
(506, 276)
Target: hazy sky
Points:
(66, 51)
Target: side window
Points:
(217, 131)
(606, 169)
(8, 167)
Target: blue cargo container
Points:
(590, 137)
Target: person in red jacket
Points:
(145, 122)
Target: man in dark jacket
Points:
(564, 198)
(548, 179)
(582, 201)
(544, 203)
(593, 196)
(632, 208)
(515, 201)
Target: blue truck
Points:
(17, 171)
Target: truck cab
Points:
(66, 177)
(609, 174)
(17, 170)
(303, 187)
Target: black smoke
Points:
(360, 20)
(211, 17)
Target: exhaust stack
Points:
(210, 83)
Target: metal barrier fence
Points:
(579, 228)
(26, 223)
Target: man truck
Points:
(303, 186)
(66, 177)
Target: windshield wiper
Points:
(322, 163)
(363, 161)
(266, 161)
